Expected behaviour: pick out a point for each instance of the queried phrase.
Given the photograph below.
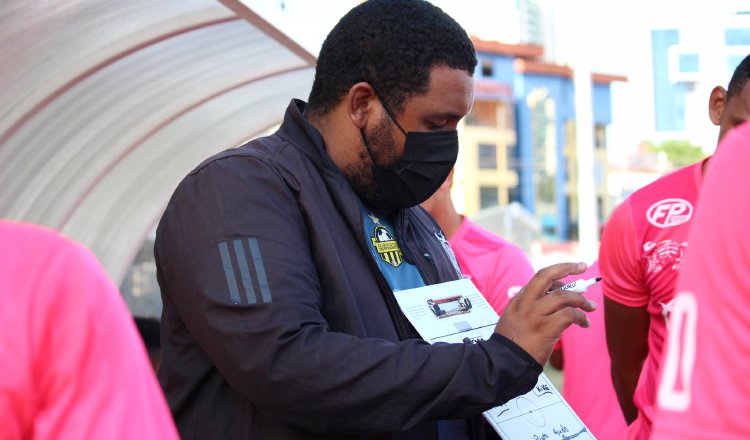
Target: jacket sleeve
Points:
(234, 257)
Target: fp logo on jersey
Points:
(669, 212)
(386, 246)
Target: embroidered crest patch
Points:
(386, 246)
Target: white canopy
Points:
(106, 104)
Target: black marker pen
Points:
(579, 286)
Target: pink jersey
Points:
(641, 253)
(496, 266)
(703, 393)
(73, 364)
(587, 384)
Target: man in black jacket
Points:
(277, 260)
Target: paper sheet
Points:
(454, 311)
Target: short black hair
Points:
(739, 78)
(392, 45)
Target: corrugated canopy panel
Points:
(106, 104)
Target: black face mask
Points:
(428, 158)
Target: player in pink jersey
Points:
(641, 254)
(73, 364)
(703, 392)
(496, 266)
(587, 384)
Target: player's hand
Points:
(534, 320)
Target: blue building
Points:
(688, 61)
(519, 139)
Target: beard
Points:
(360, 175)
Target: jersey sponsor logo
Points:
(669, 212)
(667, 254)
(386, 246)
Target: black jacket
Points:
(277, 323)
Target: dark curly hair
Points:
(392, 45)
(739, 78)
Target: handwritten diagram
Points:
(540, 414)
(457, 312)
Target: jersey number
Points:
(674, 388)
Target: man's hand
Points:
(534, 320)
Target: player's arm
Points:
(627, 342)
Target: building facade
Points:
(688, 61)
(518, 142)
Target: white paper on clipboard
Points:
(456, 310)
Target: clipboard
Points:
(454, 311)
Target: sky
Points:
(604, 36)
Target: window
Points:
(489, 196)
(545, 188)
(487, 68)
(737, 36)
(513, 157)
(507, 118)
(514, 194)
(482, 114)
(487, 156)
(600, 136)
(689, 63)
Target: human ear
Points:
(716, 103)
(359, 103)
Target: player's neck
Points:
(449, 221)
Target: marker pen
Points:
(579, 286)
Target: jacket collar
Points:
(301, 134)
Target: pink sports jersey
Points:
(710, 319)
(640, 256)
(587, 384)
(73, 364)
(496, 266)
